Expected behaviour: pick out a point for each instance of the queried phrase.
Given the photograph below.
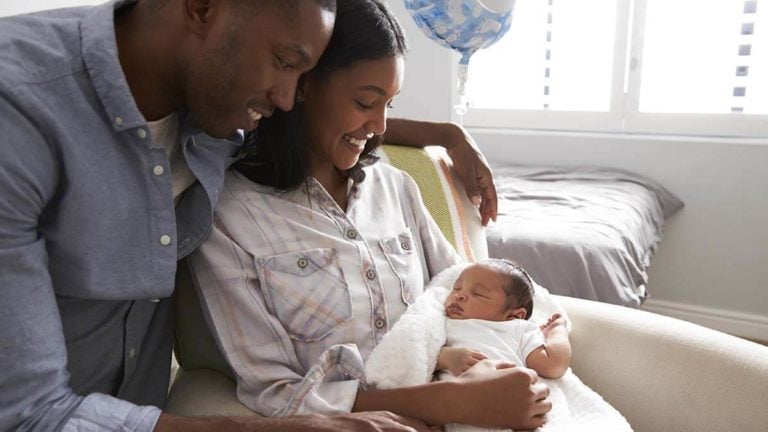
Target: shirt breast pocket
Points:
(306, 291)
(401, 253)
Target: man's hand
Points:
(473, 170)
(458, 360)
(501, 396)
(374, 421)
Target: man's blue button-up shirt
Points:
(89, 236)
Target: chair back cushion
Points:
(443, 195)
(195, 347)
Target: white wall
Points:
(712, 267)
(426, 90)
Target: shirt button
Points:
(141, 133)
(405, 246)
(118, 121)
(302, 263)
(370, 274)
(158, 170)
(379, 323)
(352, 234)
(132, 353)
(165, 240)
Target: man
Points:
(108, 114)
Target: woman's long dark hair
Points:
(277, 153)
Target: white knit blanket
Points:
(407, 356)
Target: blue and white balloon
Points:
(462, 25)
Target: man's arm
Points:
(34, 390)
(369, 421)
(483, 396)
(469, 162)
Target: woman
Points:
(316, 250)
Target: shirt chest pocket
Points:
(306, 291)
(401, 253)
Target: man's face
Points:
(249, 63)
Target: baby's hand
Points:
(459, 360)
(554, 321)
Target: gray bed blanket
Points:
(582, 232)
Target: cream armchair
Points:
(663, 374)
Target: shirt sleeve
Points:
(34, 390)
(530, 339)
(438, 251)
(102, 412)
(270, 378)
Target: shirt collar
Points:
(99, 46)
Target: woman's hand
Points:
(469, 162)
(473, 170)
(458, 360)
(488, 394)
(501, 396)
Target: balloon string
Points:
(463, 105)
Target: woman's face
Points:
(348, 108)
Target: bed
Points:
(581, 232)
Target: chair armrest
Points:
(205, 392)
(666, 374)
(659, 372)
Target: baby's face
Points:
(478, 293)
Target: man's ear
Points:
(199, 14)
(301, 88)
(518, 313)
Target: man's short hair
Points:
(287, 8)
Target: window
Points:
(688, 67)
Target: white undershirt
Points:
(165, 132)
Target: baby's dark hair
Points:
(518, 284)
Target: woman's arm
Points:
(469, 162)
(554, 358)
(483, 396)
